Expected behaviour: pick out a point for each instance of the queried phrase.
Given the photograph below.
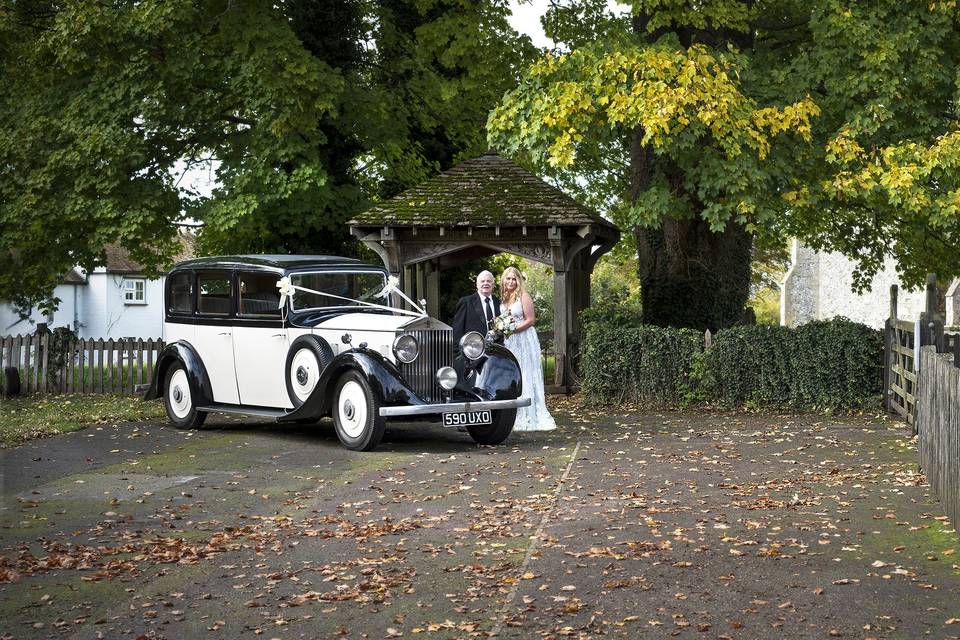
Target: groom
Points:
(476, 311)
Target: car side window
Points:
(259, 295)
(213, 289)
(180, 293)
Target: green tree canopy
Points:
(696, 123)
(307, 110)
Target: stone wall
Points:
(818, 286)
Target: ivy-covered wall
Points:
(826, 365)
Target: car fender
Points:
(182, 351)
(382, 375)
(495, 375)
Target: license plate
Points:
(467, 418)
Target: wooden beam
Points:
(432, 293)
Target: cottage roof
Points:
(74, 276)
(483, 191)
(119, 260)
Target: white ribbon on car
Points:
(287, 290)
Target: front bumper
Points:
(453, 407)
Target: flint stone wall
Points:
(818, 287)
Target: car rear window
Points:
(180, 296)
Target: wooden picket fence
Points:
(922, 382)
(88, 365)
(938, 422)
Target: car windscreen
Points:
(337, 289)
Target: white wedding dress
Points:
(526, 347)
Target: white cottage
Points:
(818, 286)
(117, 300)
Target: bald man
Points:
(476, 311)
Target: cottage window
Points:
(134, 291)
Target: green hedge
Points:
(645, 364)
(830, 365)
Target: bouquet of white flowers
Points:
(504, 324)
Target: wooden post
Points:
(889, 355)
(44, 362)
(931, 301)
(432, 294)
(111, 371)
(101, 373)
(560, 326)
(407, 284)
(149, 376)
(421, 268)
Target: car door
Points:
(213, 338)
(260, 342)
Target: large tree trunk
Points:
(690, 276)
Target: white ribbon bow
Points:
(286, 290)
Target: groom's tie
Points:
(489, 311)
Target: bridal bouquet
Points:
(504, 324)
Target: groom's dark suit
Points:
(470, 316)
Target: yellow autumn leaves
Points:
(676, 96)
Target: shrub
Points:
(641, 364)
(827, 365)
(832, 364)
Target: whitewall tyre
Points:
(178, 399)
(356, 413)
(307, 358)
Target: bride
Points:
(526, 347)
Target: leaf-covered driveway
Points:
(623, 525)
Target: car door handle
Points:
(225, 333)
(279, 335)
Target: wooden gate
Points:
(901, 377)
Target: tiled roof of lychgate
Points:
(487, 190)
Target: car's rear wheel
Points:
(179, 401)
(306, 360)
(497, 431)
(356, 413)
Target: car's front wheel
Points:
(356, 413)
(179, 401)
(497, 431)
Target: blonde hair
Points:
(505, 296)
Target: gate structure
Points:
(922, 384)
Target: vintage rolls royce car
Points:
(297, 338)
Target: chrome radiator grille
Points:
(435, 352)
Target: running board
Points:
(247, 411)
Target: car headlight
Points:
(471, 344)
(447, 377)
(406, 348)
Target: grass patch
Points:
(32, 417)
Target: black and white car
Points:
(297, 338)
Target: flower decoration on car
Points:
(286, 290)
(393, 285)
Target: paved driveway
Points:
(621, 525)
